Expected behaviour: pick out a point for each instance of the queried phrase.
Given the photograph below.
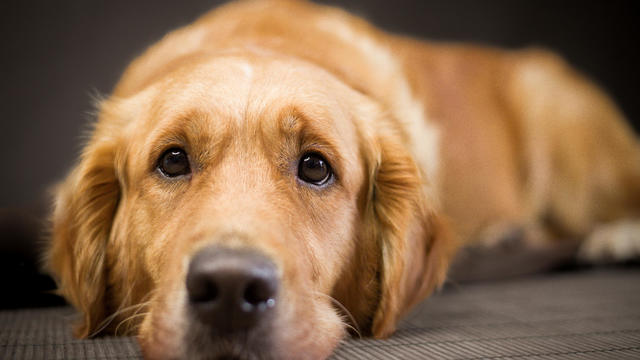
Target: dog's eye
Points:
(314, 169)
(174, 162)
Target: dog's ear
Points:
(85, 204)
(413, 240)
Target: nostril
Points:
(202, 288)
(203, 291)
(259, 293)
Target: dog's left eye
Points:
(174, 162)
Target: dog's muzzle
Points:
(231, 290)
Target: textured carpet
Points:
(575, 315)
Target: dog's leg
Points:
(511, 249)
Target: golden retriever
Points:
(278, 172)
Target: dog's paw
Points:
(614, 242)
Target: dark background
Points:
(54, 55)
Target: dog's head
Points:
(245, 205)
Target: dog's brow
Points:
(311, 132)
(193, 130)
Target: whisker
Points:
(104, 323)
(123, 309)
(142, 305)
(134, 328)
(135, 314)
(353, 327)
(129, 319)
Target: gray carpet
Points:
(576, 315)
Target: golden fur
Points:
(433, 145)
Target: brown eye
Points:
(314, 169)
(174, 162)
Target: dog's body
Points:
(428, 146)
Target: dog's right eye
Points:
(314, 169)
(174, 162)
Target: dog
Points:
(280, 174)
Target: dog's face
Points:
(245, 206)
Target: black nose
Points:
(231, 290)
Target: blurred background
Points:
(55, 55)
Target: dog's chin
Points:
(203, 344)
(200, 343)
(227, 349)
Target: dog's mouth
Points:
(251, 344)
(229, 357)
(226, 350)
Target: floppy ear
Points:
(84, 209)
(414, 244)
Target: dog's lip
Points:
(229, 347)
(225, 355)
(228, 357)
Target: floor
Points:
(587, 314)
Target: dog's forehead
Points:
(236, 86)
(241, 93)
